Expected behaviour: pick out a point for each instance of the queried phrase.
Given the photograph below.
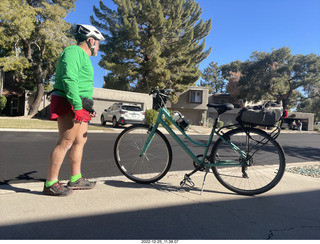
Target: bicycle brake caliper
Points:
(187, 181)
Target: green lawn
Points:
(28, 123)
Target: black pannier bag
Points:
(266, 115)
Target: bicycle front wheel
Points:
(152, 165)
(262, 169)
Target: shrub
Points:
(231, 125)
(151, 117)
(3, 102)
(220, 124)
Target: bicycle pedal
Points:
(187, 182)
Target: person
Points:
(73, 85)
(299, 125)
(294, 125)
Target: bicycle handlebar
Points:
(161, 96)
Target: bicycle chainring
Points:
(202, 168)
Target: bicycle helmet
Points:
(83, 32)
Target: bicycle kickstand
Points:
(204, 179)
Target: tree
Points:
(231, 72)
(277, 75)
(310, 102)
(33, 34)
(153, 42)
(117, 82)
(3, 102)
(212, 77)
(309, 105)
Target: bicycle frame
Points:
(164, 112)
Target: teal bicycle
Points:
(245, 160)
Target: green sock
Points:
(74, 178)
(50, 183)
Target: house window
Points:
(195, 96)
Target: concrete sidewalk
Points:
(120, 209)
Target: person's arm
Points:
(71, 62)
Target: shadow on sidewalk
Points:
(287, 216)
(6, 184)
(160, 186)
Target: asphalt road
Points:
(24, 155)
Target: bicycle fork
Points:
(151, 132)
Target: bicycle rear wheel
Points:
(263, 168)
(152, 165)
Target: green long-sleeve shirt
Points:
(74, 76)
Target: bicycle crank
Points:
(201, 168)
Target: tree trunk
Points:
(36, 102)
(40, 91)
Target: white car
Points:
(122, 114)
(316, 125)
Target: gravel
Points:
(307, 170)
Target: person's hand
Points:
(92, 114)
(78, 116)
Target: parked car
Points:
(316, 125)
(122, 114)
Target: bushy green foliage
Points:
(3, 102)
(151, 117)
(212, 78)
(220, 124)
(276, 75)
(230, 125)
(32, 37)
(152, 43)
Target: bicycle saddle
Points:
(221, 108)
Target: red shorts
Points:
(60, 106)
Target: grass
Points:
(32, 123)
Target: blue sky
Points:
(240, 27)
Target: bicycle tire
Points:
(267, 162)
(153, 165)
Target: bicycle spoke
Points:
(152, 165)
(265, 166)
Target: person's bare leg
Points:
(76, 151)
(77, 181)
(68, 131)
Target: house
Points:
(192, 104)
(103, 99)
(14, 95)
(307, 120)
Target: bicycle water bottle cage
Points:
(221, 108)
